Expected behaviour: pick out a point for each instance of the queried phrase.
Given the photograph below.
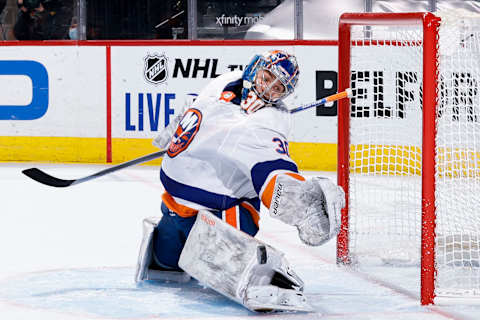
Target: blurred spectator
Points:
(2, 16)
(30, 20)
(43, 19)
(60, 17)
(73, 31)
(2, 5)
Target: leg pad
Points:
(145, 261)
(241, 267)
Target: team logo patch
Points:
(186, 131)
(227, 96)
(155, 70)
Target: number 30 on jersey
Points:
(282, 146)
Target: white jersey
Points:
(219, 155)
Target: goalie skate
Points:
(269, 298)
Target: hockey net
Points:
(385, 140)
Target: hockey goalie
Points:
(228, 154)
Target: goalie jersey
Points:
(221, 157)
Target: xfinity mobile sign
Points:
(237, 20)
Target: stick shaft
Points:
(333, 97)
(44, 178)
(123, 165)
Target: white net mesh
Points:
(458, 156)
(385, 138)
(386, 150)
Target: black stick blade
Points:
(42, 177)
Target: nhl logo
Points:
(155, 68)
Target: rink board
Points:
(103, 102)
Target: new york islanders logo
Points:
(186, 131)
(155, 68)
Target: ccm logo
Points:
(39, 77)
(207, 220)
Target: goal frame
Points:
(430, 24)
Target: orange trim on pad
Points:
(268, 192)
(295, 175)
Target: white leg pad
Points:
(240, 267)
(145, 256)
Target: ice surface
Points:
(70, 254)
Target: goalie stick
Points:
(44, 178)
(334, 97)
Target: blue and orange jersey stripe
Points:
(181, 210)
(231, 216)
(253, 212)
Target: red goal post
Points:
(388, 134)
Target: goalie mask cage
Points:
(409, 146)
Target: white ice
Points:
(70, 254)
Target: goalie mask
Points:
(268, 78)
